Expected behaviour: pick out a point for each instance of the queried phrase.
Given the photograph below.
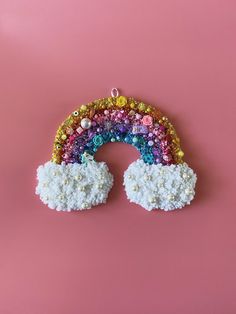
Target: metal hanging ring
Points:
(114, 92)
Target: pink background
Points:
(118, 258)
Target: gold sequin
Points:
(83, 108)
(142, 106)
(121, 101)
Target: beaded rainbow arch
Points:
(73, 180)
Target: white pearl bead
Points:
(86, 123)
(170, 197)
(79, 177)
(147, 178)
(152, 200)
(188, 191)
(135, 188)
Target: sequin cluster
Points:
(117, 119)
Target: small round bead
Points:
(135, 140)
(180, 153)
(135, 188)
(75, 113)
(150, 143)
(83, 108)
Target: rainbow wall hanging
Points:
(73, 180)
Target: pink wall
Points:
(118, 258)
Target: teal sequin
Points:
(98, 140)
(148, 158)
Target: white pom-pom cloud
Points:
(158, 186)
(73, 186)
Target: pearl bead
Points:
(147, 178)
(135, 188)
(152, 200)
(86, 123)
(79, 177)
(170, 197)
(188, 191)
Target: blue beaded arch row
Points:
(138, 141)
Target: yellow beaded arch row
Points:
(115, 103)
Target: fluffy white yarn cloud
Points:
(73, 186)
(158, 186)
